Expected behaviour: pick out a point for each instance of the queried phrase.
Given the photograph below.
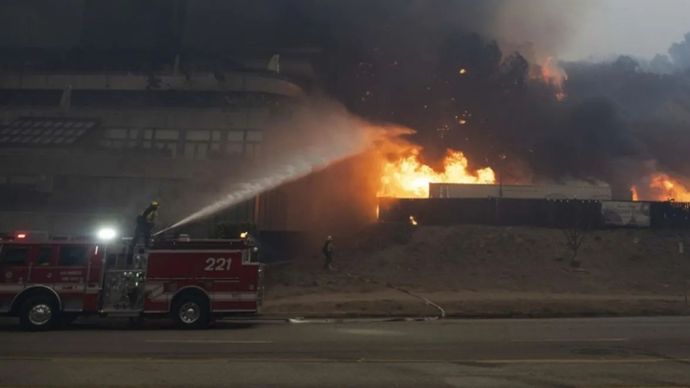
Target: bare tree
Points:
(574, 237)
(575, 232)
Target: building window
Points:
(165, 140)
(192, 143)
(32, 131)
(162, 140)
(254, 136)
(203, 144)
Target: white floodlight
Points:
(106, 234)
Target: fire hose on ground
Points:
(427, 301)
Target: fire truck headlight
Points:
(106, 234)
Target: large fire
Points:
(663, 187)
(555, 76)
(635, 193)
(409, 178)
(669, 189)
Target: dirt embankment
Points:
(479, 270)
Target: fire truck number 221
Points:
(45, 283)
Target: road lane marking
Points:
(574, 340)
(375, 332)
(204, 341)
(161, 360)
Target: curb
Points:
(320, 319)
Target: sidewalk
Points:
(392, 303)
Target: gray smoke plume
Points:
(320, 134)
(617, 121)
(399, 61)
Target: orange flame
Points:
(635, 193)
(665, 188)
(554, 75)
(409, 178)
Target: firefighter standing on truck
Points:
(145, 223)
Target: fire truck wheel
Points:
(191, 312)
(38, 313)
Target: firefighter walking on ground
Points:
(328, 253)
(145, 223)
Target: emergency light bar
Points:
(23, 235)
(39, 235)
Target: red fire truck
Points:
(45, 281)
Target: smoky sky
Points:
(569, 29)
(640, 28)
(620, 122)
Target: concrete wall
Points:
(449, 190)
(232, 81)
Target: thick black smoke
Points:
(463, 73)
(459, 89)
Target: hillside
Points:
(468, 266)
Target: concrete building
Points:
(105, 106)
(92, 148)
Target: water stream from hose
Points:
(311, 142)
(300, 166)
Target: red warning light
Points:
(21, 236)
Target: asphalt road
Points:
(472, 353)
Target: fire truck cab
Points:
(46, 282)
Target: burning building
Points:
(168, 96)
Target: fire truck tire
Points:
(39, 312)
(191, 312)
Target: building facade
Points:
(82, 150)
